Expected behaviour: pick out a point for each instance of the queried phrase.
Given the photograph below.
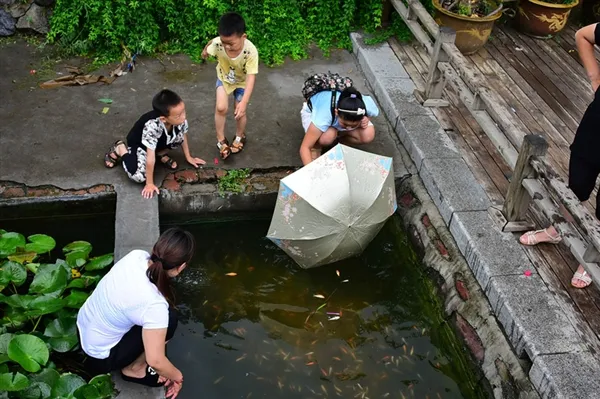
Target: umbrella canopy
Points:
(333, 207)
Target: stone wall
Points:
(25, 15)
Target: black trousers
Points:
(129, 348)
(582, 178)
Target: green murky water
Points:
(258, 334)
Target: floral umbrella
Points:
(332, 208)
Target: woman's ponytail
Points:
(351, 106)
(173, 248)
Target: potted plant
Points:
(473, 21)
(543, 18)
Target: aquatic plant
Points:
(39, 300)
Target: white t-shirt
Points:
(124, 297)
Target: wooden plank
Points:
(436, 79)
(421, 13)
(517, 198)
(411, 19)
(524, 78)
(557, 52)
(540, 72)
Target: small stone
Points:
(187, 176)
(7, 24)
(172, 185)
(12, 192)
(259, 186)
(36, 18)
(205, 175)
(18, 8)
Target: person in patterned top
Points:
(236, 73)
(153, 135)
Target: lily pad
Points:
(9, 242)
(23, 257)
(99, 387)
(48, 375)
(78, 246)
(76, 299)
(77, 258)
(33, 267)
(13, 382)
(29, 351)
(12, 272)
(49, 278)
(67, 384)
(37, 390)
(44, 304)
(99, 262)
(13, 318)
(62, 334)
(40, 243)
(85, 281)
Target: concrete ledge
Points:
(531, 317)
(488, 251)
(453, 187)
(571, 375)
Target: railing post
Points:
(435, 78)
(517, 198)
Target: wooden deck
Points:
(546, 87)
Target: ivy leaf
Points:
(29, 351)
(37, 390)
(76, 299)
(12, 272)
(49, 278)
(62, 333)
(44, 304)
(9, 242)
(66, 385)
(40, 243)
(13, 382)
(99, 262)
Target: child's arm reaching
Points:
(195, 162)
(585, 38)
(240, 109)
(205, 52)
(150, 188)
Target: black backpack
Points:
(322, 82)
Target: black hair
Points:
(232, 23)
(174, 247)
(349, 105)
(164, 101)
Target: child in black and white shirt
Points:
(153, 135)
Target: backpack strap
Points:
(333, 104)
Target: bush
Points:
(39, 300)
(279, 28)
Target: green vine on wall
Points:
(279, 28)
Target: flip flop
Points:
(530, 238)
(149, 380)
(581, 275)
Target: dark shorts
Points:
(129, 348)
(238, 93)
(582, 178)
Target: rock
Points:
(18, 8)
(44, 3)
(259, 186)
(36, 18)
(7, 23)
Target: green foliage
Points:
(38, 305)
(279, 28)
(233, 180)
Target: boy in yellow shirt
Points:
(236, 73)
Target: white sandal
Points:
(530, 238)
(581, 276)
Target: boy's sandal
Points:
(167, 161)
(149, 380)
(581, 275)
(530, 238)
(224, 149)
(109, 161)
(238, 144)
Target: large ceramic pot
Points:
(542, 20)
(471, 33)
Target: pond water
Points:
(255, 325)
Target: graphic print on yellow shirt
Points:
(232, 71)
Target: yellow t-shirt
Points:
(232, 71)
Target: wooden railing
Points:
(534, 181)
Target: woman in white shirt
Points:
(127, 320)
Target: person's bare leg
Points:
(221, 112)
(359, 136)
(241, 125)
(325, 140)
